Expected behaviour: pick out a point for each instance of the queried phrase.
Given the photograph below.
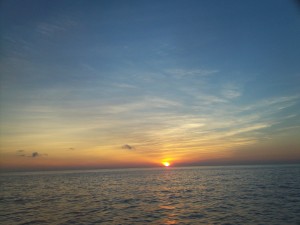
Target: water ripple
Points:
(199, 195)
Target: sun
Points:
(166, 164)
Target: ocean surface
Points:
(193, 195)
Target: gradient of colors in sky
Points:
(98, 84)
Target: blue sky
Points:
(188, 81)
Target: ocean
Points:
(190, 195)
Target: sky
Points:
(113, 84)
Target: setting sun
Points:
(166, 164)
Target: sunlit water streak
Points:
(195, 195)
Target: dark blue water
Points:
(195, 195)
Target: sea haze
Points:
(193, 195)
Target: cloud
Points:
(21, 153)
(196, 72)
(128, 147)
(59, 25)
(231, 91)
(142, 104)
(124, 85)
(35, 154)
(273, 104)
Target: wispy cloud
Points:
(144, 103)
(206, 99)
(49, 29)
(161, 125)
(221, 128)
(55, 26)
(273, 104)
(190, 73)
(20, 153)
(124, 85)
(128, 147)
(231, 91)
(23, 153)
